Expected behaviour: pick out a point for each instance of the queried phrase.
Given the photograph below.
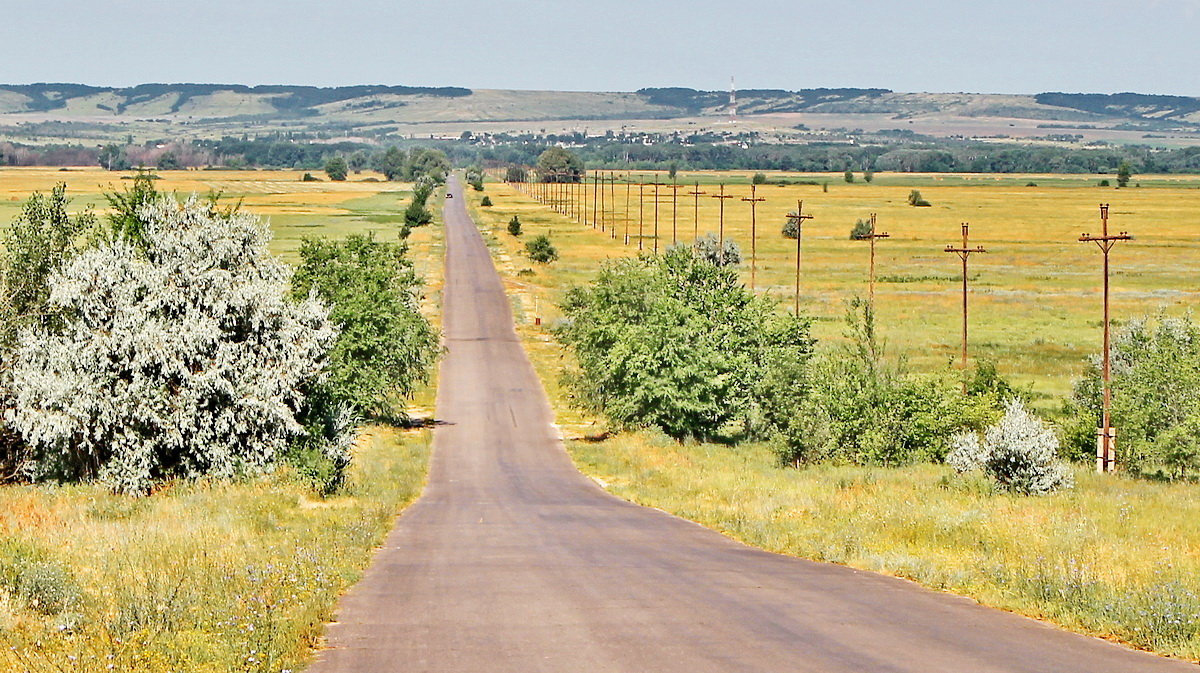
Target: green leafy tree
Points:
(868, 175)
(427, 162)
(337, 169)
(860, 230)
(557, 164)
(676, 343)
(1124, 173)
(386, 347)
(43, 238)
(391, 162)
(515, 174)
(848, 175)
(759, 179)
(541, 250)
(417, 215)
(112, 157)
(358, 161)
(169, 161)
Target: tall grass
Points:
(202, 576)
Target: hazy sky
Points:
(1014, 46)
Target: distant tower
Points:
(732, 101)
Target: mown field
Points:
(1114, 557)
(208, 576)
(1035, 302)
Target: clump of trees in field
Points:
(556, 164)
(675, 342)
(167, 342)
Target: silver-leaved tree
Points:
(181, 356)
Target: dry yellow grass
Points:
(1035, 302)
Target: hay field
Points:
(1035, 295)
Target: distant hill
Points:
(40, 114)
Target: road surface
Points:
(513, 561)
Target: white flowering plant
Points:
(179, 357)
(1020, 453)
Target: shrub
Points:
(759, 179)
(791, 226)
(385, 347)
(674, 342)
(1031, 184)
(860, 230)
(1104, 183)
(868, 175)
(487, 201)
(541, 250)
(915, 199)
(38, 581)
(1020, 453)
(514, 226)
(848, 176)
(183, 359)
(858, 408)
(1156, 391)
(309, 177)
(710, 249)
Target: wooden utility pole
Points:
(674, 212)
(641, 211)
(754, 200)
(964, 253)
(656, 184)
(612, 203)
(721, 235)
(800, 218)
(696, 193)
(628, 187)
(871, 236)
(1106, 436)
(595, 196)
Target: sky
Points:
(983, 46)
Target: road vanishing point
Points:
(513, 561)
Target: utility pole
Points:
(871, 236)
(595, 196)
(641, 211)
(754, 200)
(674, 211)
(628, 187)
(657, 184)
(696, 193)
(1106, 437)
(612, 202)
(963, 252)
(721, 236)
(800, 218)
(602, 190)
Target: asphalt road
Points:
(513, 561)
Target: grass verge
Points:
(206, 576)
